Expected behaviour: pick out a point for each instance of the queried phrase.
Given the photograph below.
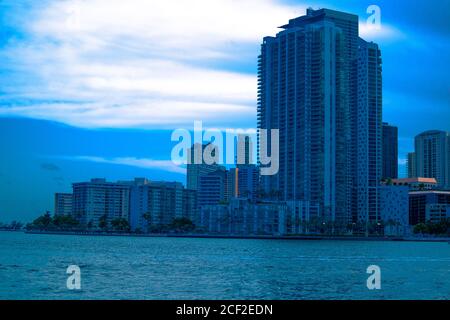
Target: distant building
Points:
(394, 209)
(419, 200)
(411, 164)
(437, 212)
(63, 204)
(159, 203)
(97, 198)
(241, 217)
(215, 187)
(196, 166)
(432, 149)
(244, 217)
(247, 181)
(390, 151)
(416, 184)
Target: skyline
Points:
(118, 154)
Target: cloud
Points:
(385, 33)
(106, 63)
(49, 167)
(165, 165)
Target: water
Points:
(34, 267)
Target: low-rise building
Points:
(419, 200)
(437, 212)
(394, 209)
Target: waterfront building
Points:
(241, 217)
(320, 85)
(419, 200)
(97, 198)
(63, 204)
(394, 209)
(390, 151)
(158, 203)
(436, 213)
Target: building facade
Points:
(420, 200)
(432, 149)
(196, 166)
(436, 213)
(411, 165)
(63, 204)
(394, 209)
(390, 151)
(158, 203)
(97, 198)
(320, 85)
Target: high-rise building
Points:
(63, 204)
(411, 164)
(320, 85)
(196, 166)
(390, 151)
(97, 198)
(370, 133)
(432, 149)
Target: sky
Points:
(94, 88)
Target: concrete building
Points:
(432, 149)
(320, 85)
(159, 203)
(97, 198)
(394, 209)
(390, 151)
(63, 204)
(419, 200)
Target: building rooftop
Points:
(415, 180)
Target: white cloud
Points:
(111, 63)
(386, 32)
(165, 165)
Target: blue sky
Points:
(94, 88)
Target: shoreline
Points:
(253, 237)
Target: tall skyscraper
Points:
(309, 87)
(390, 151)
(369, 133)
(432, 149)
(411, 164)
